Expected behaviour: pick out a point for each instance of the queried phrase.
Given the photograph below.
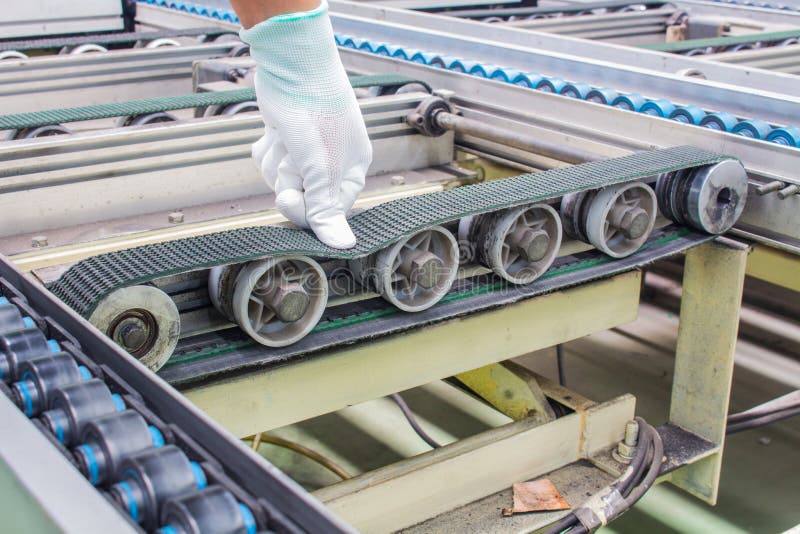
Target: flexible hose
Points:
(300, 449)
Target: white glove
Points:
(315, 152)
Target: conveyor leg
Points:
(510, 388)
(709, 321)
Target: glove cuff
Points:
(298, 64)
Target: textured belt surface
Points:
(84, 284)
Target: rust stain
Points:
(537, 496)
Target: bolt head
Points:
(176, 217)
(533, 245)
(290, 303)
(634, 223)
(625, 451)
(39, 241)
(398, 180)
(131, 334)
(426, 268)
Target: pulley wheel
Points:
(143, 320)
(278, 301)
(620, 218)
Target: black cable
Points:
(652, 473)
(413, 421)
(756, 422)
(632, 486)
(562, 376)
(784, 402)
(637, 464)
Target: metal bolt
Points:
(425, 269)
(786, 192)
(533, 245)
(633, 223)
(176, 217)
(132, 334)
(290, 302)
(398, 180)
(626, 449)
(631, 433)
(39, 241)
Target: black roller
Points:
(107, 441)
(75, 405)
(153, 477)
(20, 346)
(213, 509)
(41, 377)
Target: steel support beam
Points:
(410, 491)
(774, 266)
(712, 292)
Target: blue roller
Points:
(400, 53)
(722, 121)
(658, 108)
(463, 65)
(347, 41)
(383, 50)
(688, 114)
(576, 90)
(602, 95)
(788, 136)
(753, 128)
(551, 85)
(631, 102)
(366, 46)
(483, 71)
(443, 62)
(506, 75)
(528, 79)
(423, 58)
(393, 50)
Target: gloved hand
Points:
(315, 152)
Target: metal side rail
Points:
(86, 283)
(205, 356)
(168, 103)
(223, 469)
(783, 38)
(110, 38)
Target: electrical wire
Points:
(300, 449)
(562, 375)
(769, 412)
(756, 422)
(413, 421)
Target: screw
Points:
(176, 217)
(398, 180)
(39, 241)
